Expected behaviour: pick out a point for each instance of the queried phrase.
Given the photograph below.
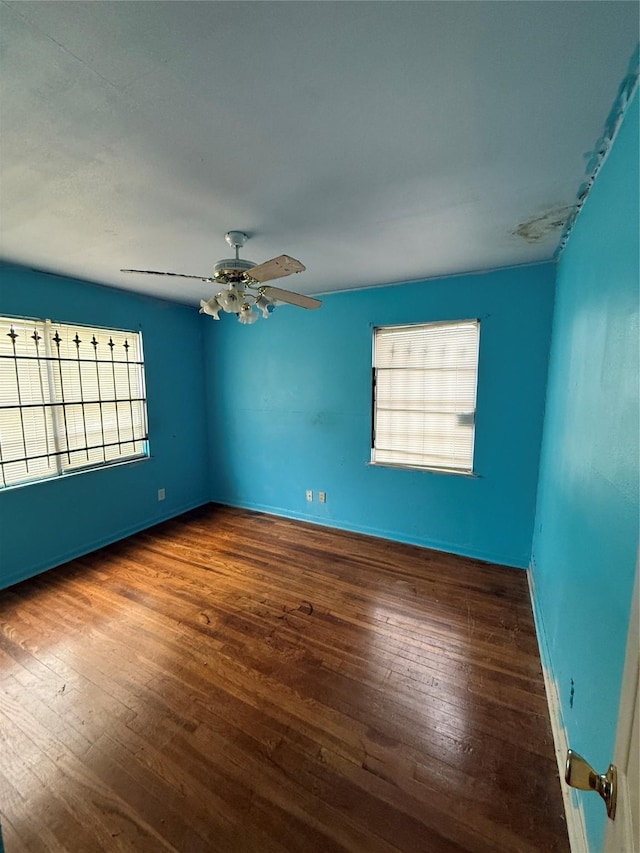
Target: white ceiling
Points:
(375, 141)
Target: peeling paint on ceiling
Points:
(602, 147)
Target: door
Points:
(623, 833)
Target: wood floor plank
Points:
(232, 681)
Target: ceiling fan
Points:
(245, 284)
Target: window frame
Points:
(469, 472)
(61, 394)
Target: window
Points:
(71, 397)
(424, 395)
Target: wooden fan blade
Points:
(174, 274)
(275, 268)
(290, 297)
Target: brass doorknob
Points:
(580, 774)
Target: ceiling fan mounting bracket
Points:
(236, 239)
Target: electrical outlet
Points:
(309, 495)
(161, 494)
(322, 497)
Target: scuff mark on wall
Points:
(539, 227)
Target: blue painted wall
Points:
(290, 409)
(586, 535)
(45, 524)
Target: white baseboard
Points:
(574, 813)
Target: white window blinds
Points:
(425, 379)
(71, 397)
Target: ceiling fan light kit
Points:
(245, 289)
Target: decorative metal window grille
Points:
(424, 395)
(71, 397)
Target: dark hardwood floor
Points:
(231, 681)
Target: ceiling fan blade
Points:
(292, 298)
(275, 268)
(174, 274)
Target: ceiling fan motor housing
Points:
(232, 270)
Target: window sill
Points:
(472, 475)
(117, 463)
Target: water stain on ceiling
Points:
(539, 227)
